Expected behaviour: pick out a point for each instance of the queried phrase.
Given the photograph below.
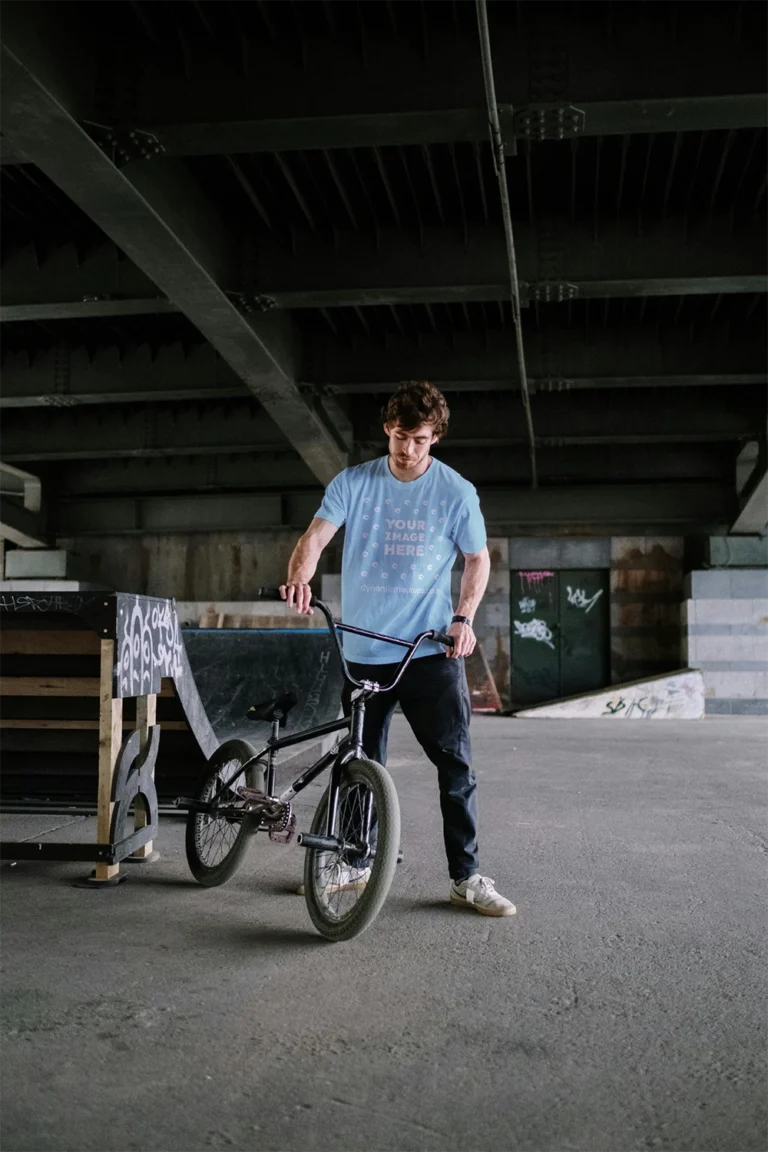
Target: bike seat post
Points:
(272, 754)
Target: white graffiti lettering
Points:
(578, 598)
(527, 605)
(534, 630)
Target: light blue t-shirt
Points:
(401, 541)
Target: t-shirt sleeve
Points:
(334, 505)
(469, 532)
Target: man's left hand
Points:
(464, 640)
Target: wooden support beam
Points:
(110, 738)
(49, 685)
(84, 725)
(34, 642)
(56, 685)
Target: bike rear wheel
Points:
(215, 844)
(345, 894)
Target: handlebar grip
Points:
(269, 593)
(273, 593)
(442, 638)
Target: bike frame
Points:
(350, 748)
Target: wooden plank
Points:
(49, 685)
(87, 725)
(146, 716)
(110, 737)
(42, 642)
(56, 685)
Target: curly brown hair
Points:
(417, 402)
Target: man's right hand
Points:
(298, 596)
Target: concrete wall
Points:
(212, 569)
(725, 634)
(216, 566)
(646, 590)
(556, 553)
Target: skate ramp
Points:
(673, 696)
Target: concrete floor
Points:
(622, 1008)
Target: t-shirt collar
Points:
(406, 483)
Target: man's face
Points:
(410, 447)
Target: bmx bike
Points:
(353, 843)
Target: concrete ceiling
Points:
(229, 230)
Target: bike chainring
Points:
(278, 819)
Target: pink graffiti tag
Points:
(533, 580)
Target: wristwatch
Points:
(461, 620)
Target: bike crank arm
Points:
(329, 843)
(220, 811)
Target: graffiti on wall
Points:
(534, 630)
(37, 602)
(534, 581)
(675, 700)
(579, 599)
(527, 605)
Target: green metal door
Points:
(560, 634)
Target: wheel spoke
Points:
(215, 835)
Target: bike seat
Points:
(275, 709)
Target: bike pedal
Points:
(285, 835)
(251, 795)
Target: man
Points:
(405, 516)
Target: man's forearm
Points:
(474, 581)
(303, 563)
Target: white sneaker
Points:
(347, 879)
(479, 893)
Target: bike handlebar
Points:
(273, 593)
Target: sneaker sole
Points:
(459, 902)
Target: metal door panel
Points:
(559, 634)
(535, 662)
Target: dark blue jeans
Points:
(434, 698)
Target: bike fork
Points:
(334, 787)
(332, 830)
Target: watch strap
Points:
(461, 620)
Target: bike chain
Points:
(282, 825)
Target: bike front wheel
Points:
(344, 892)
(216, 841)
